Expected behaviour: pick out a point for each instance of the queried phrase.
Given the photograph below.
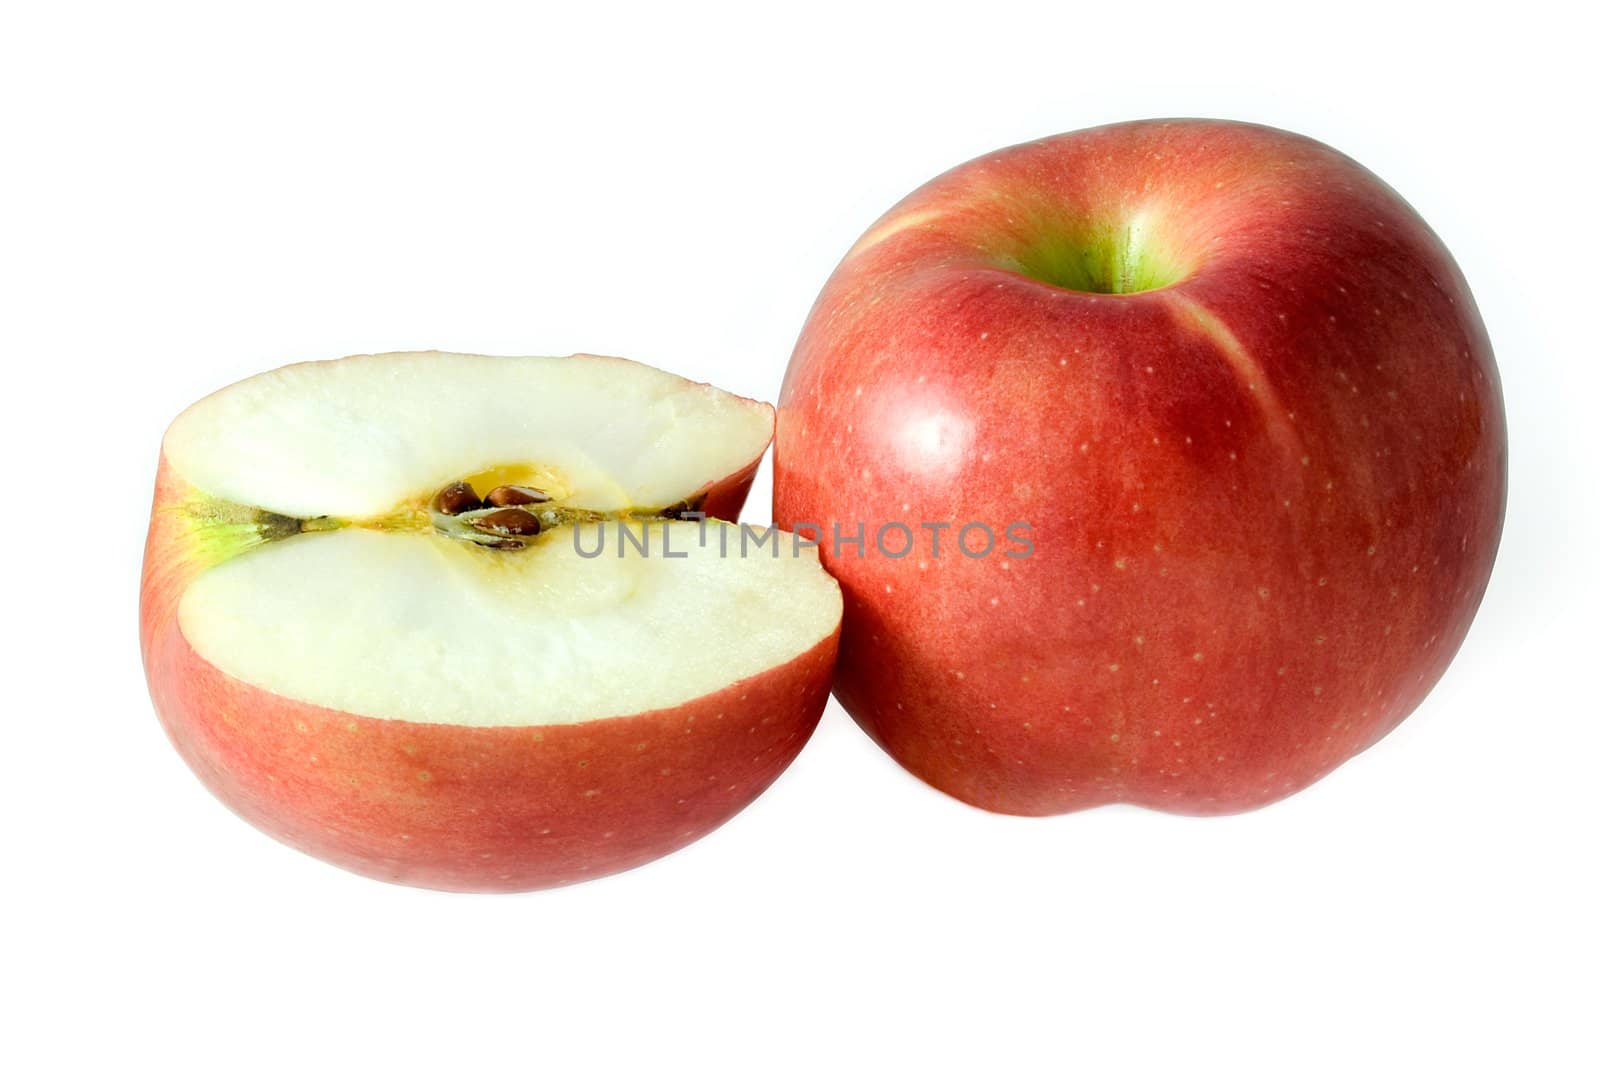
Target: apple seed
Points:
(678, 510)
(458, 497)
(511, 521)
(513, 494)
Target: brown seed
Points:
(508, 522)
(505, 544)
(458, 497)
(678, 510)
(514, 494)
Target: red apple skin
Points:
(472, 809)
(724, 498)
(1265, 499)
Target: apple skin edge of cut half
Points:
(486, 808)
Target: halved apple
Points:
(375, 623)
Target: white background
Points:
(197, 193)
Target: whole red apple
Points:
(1241, 397)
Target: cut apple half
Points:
(474, 622)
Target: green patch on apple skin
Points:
(1121, 257)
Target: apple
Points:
(380, 618)
(1228, 413)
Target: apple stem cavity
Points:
(1124, 257)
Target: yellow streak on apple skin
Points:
(922, 217)
(1245, 368)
